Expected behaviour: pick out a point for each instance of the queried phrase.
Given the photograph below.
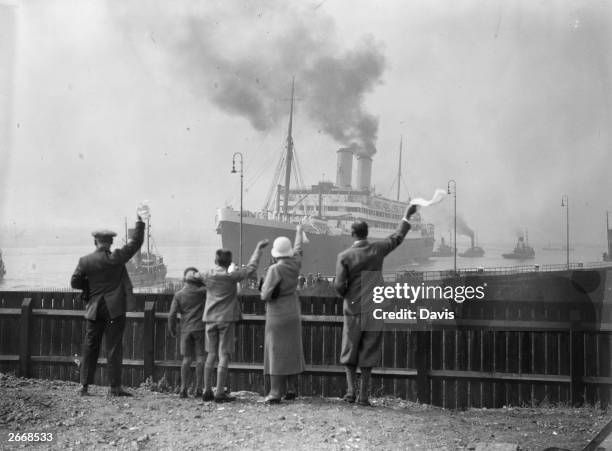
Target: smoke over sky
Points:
(115, 102)
(251, 78)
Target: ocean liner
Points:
(326, 211)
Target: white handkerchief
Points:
(437, 197)
(143, 210)
(305, 238)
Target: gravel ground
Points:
(153, 420)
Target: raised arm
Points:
(133, 244)
(297, 244)
(252, 265)
(396, 238)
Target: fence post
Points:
(149, 339)
(423, 343)
(576, 367)
(25, 324)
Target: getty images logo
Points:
(412, 293)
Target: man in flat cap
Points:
(103, 277)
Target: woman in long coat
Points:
(283, 350)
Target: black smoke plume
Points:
(243, 55)
(463, 228)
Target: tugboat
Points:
(522, 251)
(473, 251)
(145, 268)
(444, 250)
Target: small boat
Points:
(522, 251)
(146, 268)
(444, 250)
(473, 251)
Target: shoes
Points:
(364, 403)
(118, 391)
(208, 396)
(290, 396)
(83, 391)
(349, 397)
(224, 397)
(272, 400)
(183, 394)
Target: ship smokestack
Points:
(472, 240)
(364, 172)
(345, 167)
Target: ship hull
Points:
(518, 257)
(144, 276)
(321, 251)
(472, 252)
(145, 279)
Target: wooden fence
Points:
(536, 338)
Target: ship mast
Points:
(289, 155)
(399, 171)
(148, 236)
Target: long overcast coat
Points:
(283, 350)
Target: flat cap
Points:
(100, 233)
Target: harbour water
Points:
(49, 267)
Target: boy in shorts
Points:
(220, 315)
(189, 301)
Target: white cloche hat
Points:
(282, 247)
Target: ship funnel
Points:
(345, 167)
(472, 240)
(364, 172)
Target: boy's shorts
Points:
(220, 337)
(192, 343)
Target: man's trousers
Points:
(113, 329)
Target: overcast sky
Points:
(108, 103)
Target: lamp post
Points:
(565, 203)
(455, 216)
(241, 177)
